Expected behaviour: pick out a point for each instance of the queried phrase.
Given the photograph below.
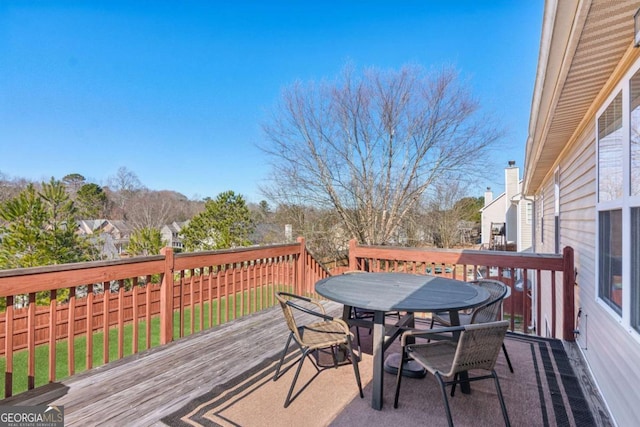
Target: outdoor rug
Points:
(254, 399)
(543, 391)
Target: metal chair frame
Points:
(473, 346)
(329, 333)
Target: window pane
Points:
(635, 268)
(610, 236)
(635, 135)
(610, 151)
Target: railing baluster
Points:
(553, 304)
(135, 315)
(8, 348)
(52, 335)
(192, 305)
(106, 299)
(201, 297)
(120, 319)
(89, 328)
(242, 290)
(31, 342)
(147, 315)
(71, 331)
(539, 302)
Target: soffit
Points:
(582, 45)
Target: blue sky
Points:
(177, 91)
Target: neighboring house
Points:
(582, 168)
(114, 235)
(171, 234)
(87, 227)
(507, 219)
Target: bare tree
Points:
(11, 187)
(73, 181)
(370, 146)
(153, 209)
(123, 185)
(449, 214)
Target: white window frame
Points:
(625, 204)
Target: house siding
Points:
(601, 339)
(525, 238)
(495, 212)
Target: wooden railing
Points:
(153, 300)
(542, 285)
(145, 300)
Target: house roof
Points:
(494, 201)
(584, 48)
(502, 195)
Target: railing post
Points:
(568, 294)
(353, 262)
(300, 285)
(166, 297)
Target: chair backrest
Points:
(287, 310)
(479, 346)
(292, 304)
(490, 312)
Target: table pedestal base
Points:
(410, 368)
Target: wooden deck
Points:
(142, 389)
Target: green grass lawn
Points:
(80, 342)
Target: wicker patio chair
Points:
(476, 347)
(489, 312)
(326, 333)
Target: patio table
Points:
(404, 292)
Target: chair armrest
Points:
(430, 334)
(319, 314)
(302, 298)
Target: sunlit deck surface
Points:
(141, 390)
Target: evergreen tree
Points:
(225, 223)
(23, 230)
(40, 229)
(91, 201)
(145, 241)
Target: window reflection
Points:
(634, 140)
(610, 264)
(635, 268)
(610, 151)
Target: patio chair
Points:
(489, 312)
(325, 333)
(461, 348)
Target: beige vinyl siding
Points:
(494, 212)
(546, 245)
(546, 234)
(525, 228)
(602, 338)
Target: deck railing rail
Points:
(542, 297)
